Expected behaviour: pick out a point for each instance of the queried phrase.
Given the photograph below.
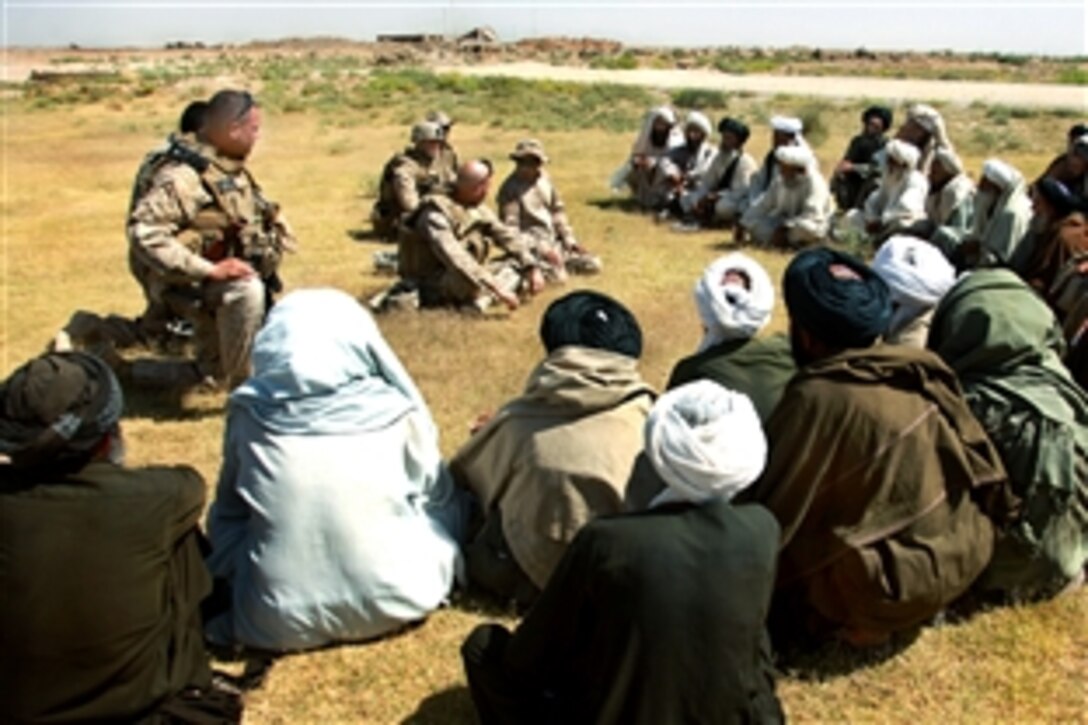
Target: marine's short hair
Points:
(192, 118)
(228, 106)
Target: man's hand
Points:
(844, 167)
(230, 268)
(535, 278)
(510, 300)
(481, 420)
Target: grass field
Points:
(68, 166)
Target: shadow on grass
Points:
(171, 404)
(365, 235)
(617, 203)
(453, 705)
(835, 659)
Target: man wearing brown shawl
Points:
(878, 473)
(100, 565)
(561, 454)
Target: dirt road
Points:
(886, 89)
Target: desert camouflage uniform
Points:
(446, 253)
(406, 178)
(199, 209)
(537, 210)
(152, 323)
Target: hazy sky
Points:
(1058, 27)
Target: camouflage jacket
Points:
(444, 236)
(201, 207)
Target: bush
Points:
(700, 99)
(812, 116)
(619, 61)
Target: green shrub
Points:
(700, 99)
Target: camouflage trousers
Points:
(451, 288)
(225, 325)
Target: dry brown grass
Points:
(68, 174)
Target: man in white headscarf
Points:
(899, 200)
(917, 275)
(659, 134)
(722, 193)
(645, 608)
(785, 131)
(925, 130)
(1002, 217)
(950, 205)
(683, 167)
(796, 208)
(335, 518)
(735, 299)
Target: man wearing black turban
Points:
(722, 193)
(880, 477)
(100, 565)
(561, 454)
(856, 176)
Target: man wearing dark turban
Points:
(856, 176)
(878, 473)
(561, 453)
(100, 565)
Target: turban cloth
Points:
(836, 298)
(698, 120)
(730, 311)
(902, 152)
(799, 156)
(917, 275)
(1001, 173)
(1080, 146)
(590, 319)
(705, 441)
(787, 124)
(882, 112)
(734, 127)
(927, 117)
(55, 410)
(1060, 197)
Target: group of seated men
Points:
(784, 491)
(435, 210)
(916, 441)
(913, 184)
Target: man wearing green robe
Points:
(657, 616)
(1005, 344)
(735, 299)
(101, 571)
(878, 473)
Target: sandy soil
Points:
(887, 89)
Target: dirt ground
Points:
(889, 89)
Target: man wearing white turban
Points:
(735, 299)
(796, 208)
(658, 136)
(899, 201)
(683, 167)
(785, 131)
(924, 129)
(1002, 217)
(950, 205)
(917, 275)
(631, 628)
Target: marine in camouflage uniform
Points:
(154, 321)
(529, 201)
(209, 243)
(406, 178)
(447, 252)
(446, 164)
